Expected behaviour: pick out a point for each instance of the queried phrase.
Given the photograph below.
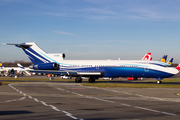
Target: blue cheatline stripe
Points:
(47, 57)
(21, 67)
(160, 64)
(155, 63)
(124, 72)
(36, 53)
(33, 58)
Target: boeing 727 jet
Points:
(55, 64)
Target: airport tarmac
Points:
(67, 101)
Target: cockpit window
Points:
(165, 66)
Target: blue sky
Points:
(92, 29)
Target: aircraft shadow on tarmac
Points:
(14, 112)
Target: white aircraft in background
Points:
(12, 70)
(24, 69)
(8, 68)
(54, 64)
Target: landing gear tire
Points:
(91, 80)
(158, 82)
(78, 80)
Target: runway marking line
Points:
(69, 114)
(146, 109)
(53, 107)
(36, 100)
(76, 93)
(125, 104)
(43, 103)
(137, 106)
(30, 97)
(60, 89)
(77, 88)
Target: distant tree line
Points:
(14, 64)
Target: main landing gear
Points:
(158, 82)
(91, 80)
(79, 80)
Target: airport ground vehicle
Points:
(66, 77)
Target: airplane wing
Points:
(71, 73)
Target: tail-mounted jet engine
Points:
(45, 66)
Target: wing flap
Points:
(89, 73)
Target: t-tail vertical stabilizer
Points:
(37, 55)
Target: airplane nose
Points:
(175, 71)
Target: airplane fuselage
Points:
(55, 64)
(120, 68)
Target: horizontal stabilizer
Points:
(37, 55)
(19, 45)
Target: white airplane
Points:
(8, 70)
(13, 69)
(54, 64)
(24, 69)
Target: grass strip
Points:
(167, 80)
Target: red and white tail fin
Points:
(147, 56)
(178, 67)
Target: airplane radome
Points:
(55, 64)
